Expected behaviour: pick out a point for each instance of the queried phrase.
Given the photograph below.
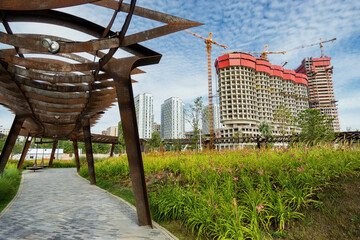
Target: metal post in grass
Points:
(76, 153)
(112, 150)
(24, 152)
(10, 141)
(53, 153)
(88, 149)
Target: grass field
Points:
(243, 194)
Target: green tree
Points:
(155, 140)
(2, 143)
(194, 114)
(315, 126)
(121, 138)
(265, 129)
(283, 118)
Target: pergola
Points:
(61, 97)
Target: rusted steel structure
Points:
(61, 97)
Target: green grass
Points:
(337, 217)
(243, 194)
(9, 185)
(56, 163)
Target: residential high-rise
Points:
(217, 124)
(112, 131)
(172, 119)
(144, 106)
(251, 90)
(321, 90)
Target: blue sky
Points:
(241, 25)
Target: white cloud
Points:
(241, 25)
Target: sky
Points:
(242, 26)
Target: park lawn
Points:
(242, 194)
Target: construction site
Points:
(251, 90)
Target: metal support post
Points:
(76, 153)
(88, 148)
(132, 143)
(52, 156)
(10, 141)
(112, 150)
(24, 152)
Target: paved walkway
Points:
(58, 204)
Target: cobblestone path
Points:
(58, 204)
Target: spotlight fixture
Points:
(52, 46)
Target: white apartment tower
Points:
(113, 131)
(172, 119)
(144, 106)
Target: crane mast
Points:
(208, 42)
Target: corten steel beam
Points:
(52, 156)
(132, 143)
(10, 141)
(66, 95)
(112, 150)
(88, 147)
(24, 152)
(76, 153)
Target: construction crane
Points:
(314, 44)
(209, 42)
(266, 52)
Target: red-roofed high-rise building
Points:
(252, 90)
(321, 89)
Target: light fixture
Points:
(57, 117)
(52, 46)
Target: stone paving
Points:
(58, 204)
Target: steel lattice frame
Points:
(56, 99)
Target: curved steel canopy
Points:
(61, 97)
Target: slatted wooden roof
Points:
(55, 94)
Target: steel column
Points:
(10, 141)
(112, 150)
(52, 156)
(24, 152)
(130, 129)
(76, 153)
(88, 148)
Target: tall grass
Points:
(242, 194)
(9, 184)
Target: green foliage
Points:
(9, 183)
(265, 129)
(2, 143)
(283, 118)
(242, 194)
(315, 127)
(121, 138)
(194, 114)
(155, 140)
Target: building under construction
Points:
(251, 90)
(321, 90)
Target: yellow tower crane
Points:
(208, 42)
(266, 52)
(314, 44)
